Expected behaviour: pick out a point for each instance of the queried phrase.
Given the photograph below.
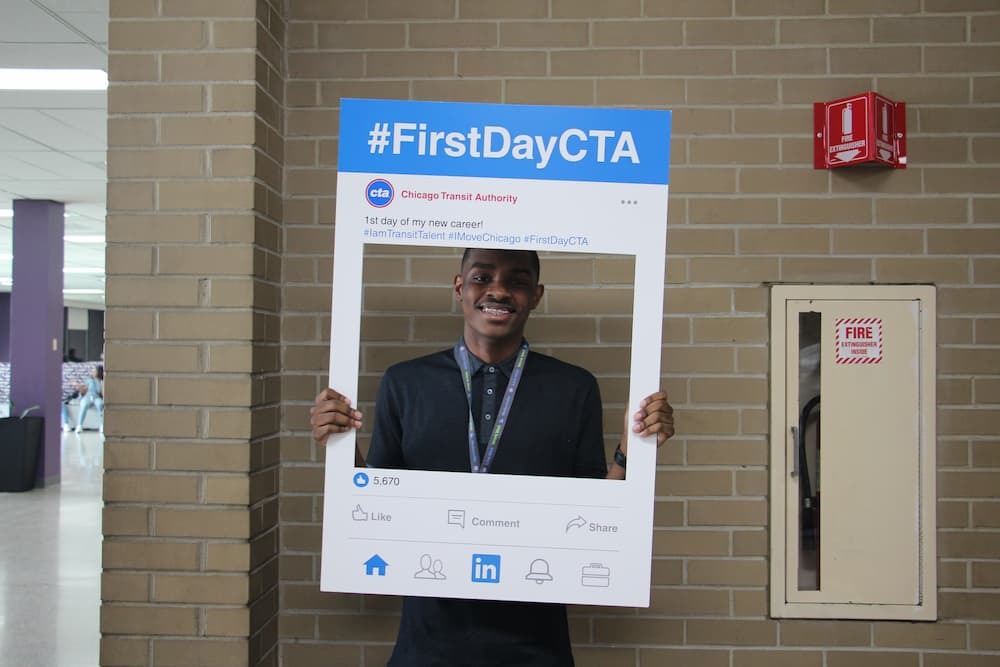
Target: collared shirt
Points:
(554, 429)
(489, 382)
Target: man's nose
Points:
(499, 289)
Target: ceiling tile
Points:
(62, 165)
(49, 131)
(13, 142)
(25, 23)
(93, 24)
(60, 6)
(82, 214)
(91, 121)
(16, 169)
(91, 191)
(73, 100)
(71, 55)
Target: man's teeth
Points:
(495, 311)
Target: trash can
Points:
(20, 442)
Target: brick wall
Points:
(746, 208)
(196, 107)
(222, 168)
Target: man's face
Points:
(498, 289)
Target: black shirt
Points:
(554, 429)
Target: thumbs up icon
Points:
(359, 514)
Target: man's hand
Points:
(332, 413)
(655, 415)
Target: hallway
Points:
(50, 564)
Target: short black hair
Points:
(532, 257)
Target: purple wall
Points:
(36, 318)
(4, 326)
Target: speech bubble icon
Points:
(456, 518)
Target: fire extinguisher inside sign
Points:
(859, 340)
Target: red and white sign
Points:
(859, 129)
(847, 125)
(858, 340)
(885, 133)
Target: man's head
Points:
(498, 289)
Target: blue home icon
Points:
(375, 566)
(486, 568)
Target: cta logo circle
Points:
(379, 193)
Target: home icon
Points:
(375, 566)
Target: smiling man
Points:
(489, 405)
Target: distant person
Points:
(71, 355)
(93, 394)
(68, 395)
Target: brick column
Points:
(194, 259)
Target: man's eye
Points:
(480, 278)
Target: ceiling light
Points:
(53, 79)
(84, 238)
(83, 291)
(82, 269)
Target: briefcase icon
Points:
(595, 575)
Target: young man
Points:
(447, 411)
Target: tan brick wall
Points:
(194, 262)
(221, 199)
(746, 208)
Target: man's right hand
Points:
(332, 413)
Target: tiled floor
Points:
(50, 564)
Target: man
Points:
(489, 405)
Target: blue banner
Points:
(505, 141)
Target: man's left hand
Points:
(655, 415)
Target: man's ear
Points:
(539, 291)
(458, 287)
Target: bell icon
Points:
(539, 571)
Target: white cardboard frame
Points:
(411, 513)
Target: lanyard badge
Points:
(465, 365)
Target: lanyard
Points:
(462, 357)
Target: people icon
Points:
(430, 568)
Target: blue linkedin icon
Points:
(486, 568)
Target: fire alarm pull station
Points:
(865, 128)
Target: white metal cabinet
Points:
(853, 452)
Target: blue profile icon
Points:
(379, 193)
(360, 480)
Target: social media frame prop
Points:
(496, 176)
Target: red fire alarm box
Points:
(865, 128)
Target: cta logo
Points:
(379, 193)
(486, 568)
